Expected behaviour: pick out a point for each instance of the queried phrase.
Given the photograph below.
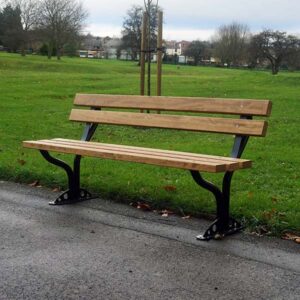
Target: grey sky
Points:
(198, 19)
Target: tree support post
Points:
(159, 51)
(143, 55)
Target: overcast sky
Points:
(198, 19)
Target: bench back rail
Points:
(184, 104)
(244, 126)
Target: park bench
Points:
(236, 119)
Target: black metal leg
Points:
(224, 224)
(74, 193)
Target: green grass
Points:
(36, 97)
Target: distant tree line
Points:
(54, 24)
(233, 46)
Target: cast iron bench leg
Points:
(74, 193)
(224, 224)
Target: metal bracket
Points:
(215, 231)
(68, 197)
(240, 142)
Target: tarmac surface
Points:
(103, 250)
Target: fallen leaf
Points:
(35, 183)
(186, 217)
(290, 236)
(261, 230)
(168, 212)
(22, 162)
(57, 189)
(170, 188)
(143, 206)
(165, 215)
(269, 214)
(250, 195)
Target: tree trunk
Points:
(195, 60)
(58, 52)
(23, 51)
(275, 68)
(50, 49)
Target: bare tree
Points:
(132, 30)
(151, 7)
(60, 21)
(293, 60)
(275, 46)
(231, 43)
(131, 33)
(198, 50)
(29, 12)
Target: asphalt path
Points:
(103, 250)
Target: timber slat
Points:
(192, 123)
(184, 104)
(243, 163)
(144, 155)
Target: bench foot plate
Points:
(69, 198)
(216, 231)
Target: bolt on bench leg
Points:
(74, 193)
(223, 225)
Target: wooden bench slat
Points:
(184, 104)
(243, 163)
(206, 124)
(150, 157)
(118, 155)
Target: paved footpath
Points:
(103, 250)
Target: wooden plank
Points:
(242, 163)
(191, 123)
(124, 156)
(187, 104)
(135, 150)
(161, 156)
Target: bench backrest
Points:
(244, 125)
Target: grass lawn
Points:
(36, 97)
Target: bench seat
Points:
(176, 159)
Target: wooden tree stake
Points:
(143, 55)
(159, 51)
